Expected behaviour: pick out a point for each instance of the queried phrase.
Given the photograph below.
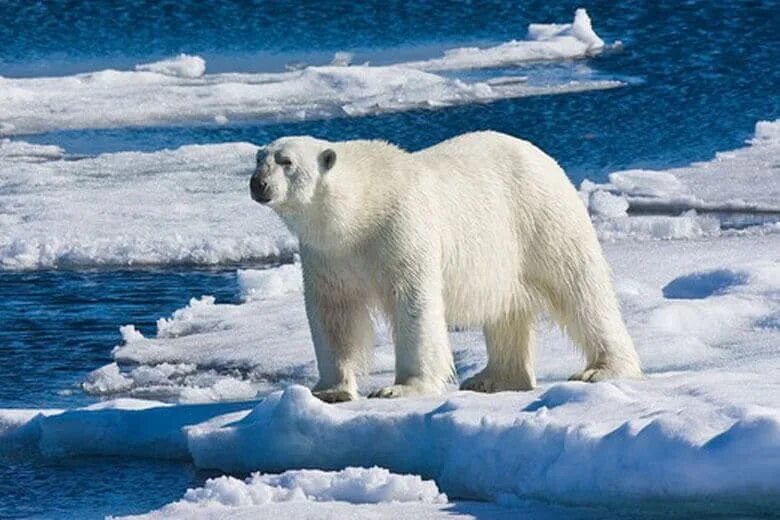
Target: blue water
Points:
(699, 75)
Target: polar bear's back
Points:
(493, 157)
(505, 207)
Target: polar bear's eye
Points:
(281, 160)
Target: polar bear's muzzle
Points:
(259, 189)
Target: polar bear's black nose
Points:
(259, 189)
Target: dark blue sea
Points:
(699, 74)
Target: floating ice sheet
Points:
(178, 89)
(185, 206)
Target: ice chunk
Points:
(767, 132)
(270, 283)
(182, 66)
(13, 151)
(342, 59)
(354, 485)
(106, 380)
(605, 204)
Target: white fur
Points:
(480, 230)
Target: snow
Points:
(178, 90)
(740, 180)
(182, 66)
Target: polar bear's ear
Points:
(327, 159)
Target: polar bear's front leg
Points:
(423, 358)
(342, 333)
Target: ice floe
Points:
(179, 90)
(186, 206)
(191, 206)
(545, 41)
(208, 351)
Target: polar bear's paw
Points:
(333, 395)
(395, 391)
(481, 383)
(603, 373)
(413, 386)
(489, 384)
(592, 375)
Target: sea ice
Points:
(191, 206)
(178, 90)
(186, 206)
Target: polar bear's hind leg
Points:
(591, 316)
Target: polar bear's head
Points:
(288, 172)
(329, 194)
(292, 178)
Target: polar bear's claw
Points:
(333, 396)
(479, 383)
(393, 391)
(590, 375)
(484, 382)
(603, 373)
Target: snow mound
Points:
(182, 66)
(353, 485)
(178, 89)
(270, 283)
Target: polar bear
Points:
(482, 230)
